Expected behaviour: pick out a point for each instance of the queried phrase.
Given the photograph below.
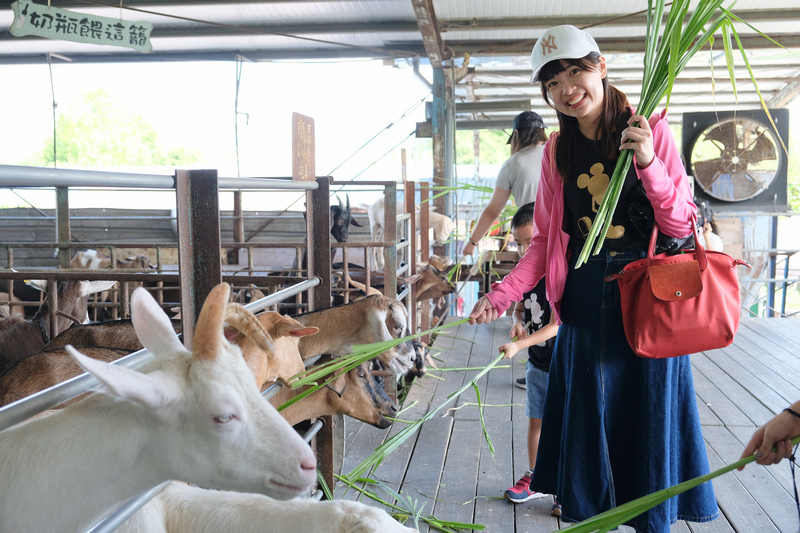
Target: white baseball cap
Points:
(560, 42)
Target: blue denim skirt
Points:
(616, 426)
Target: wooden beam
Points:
(429, 28)
(784, 96)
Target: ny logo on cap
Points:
(549, 44)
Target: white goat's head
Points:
(209, 424)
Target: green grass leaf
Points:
(619, 515)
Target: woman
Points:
(519, 175)
(615, 426)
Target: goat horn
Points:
(208, 333)
(341, 204)
(246, 322)
(348, 201)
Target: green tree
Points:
(493, 147)
(98, 131)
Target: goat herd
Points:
(195, 416)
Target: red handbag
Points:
(679, 304)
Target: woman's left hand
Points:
(639, 138)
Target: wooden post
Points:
(198, 242)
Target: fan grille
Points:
(735, 159)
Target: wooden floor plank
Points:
(738, 506)
(781, 472)
(765, 347)
(706, 389)
(456, 498)
(494, 477)
(448, 463)
(740, 397)
(775, 501)
(758, 379)
(421, 482)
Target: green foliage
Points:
(99, 132)
(493, 147)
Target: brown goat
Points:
(20, 338)
(375, 318)
(355, 393)
(277, 360)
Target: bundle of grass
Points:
(665, 57)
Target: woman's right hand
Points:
(483, 312)
(468, 249)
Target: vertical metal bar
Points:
(411, 251)
(390, 235)
(52, 302)
(198, 242)
(62, 226)
(771, 286)
(238, 227)
(346, 275)
(124, 302)
(318, 243)
(439, 140)
(425, 306)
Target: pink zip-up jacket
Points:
(667, 189)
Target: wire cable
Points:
(405, 113)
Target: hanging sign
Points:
(55, 23)
(303, 148)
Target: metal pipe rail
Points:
(48, 398)
(119, 515)
(24, 177)
(20, 410)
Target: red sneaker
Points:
(521, 492)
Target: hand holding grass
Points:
(778, 433)
(483, 312)
(518, 331)
(639, 137)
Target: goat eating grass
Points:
(197, 416)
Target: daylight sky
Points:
(191, 104)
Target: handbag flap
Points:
(675, 281)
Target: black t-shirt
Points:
(536, 316)
(583, 193)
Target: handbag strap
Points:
(700, 252)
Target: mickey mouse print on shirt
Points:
(596, 184)
(536, 311)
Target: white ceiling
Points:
(496, 35)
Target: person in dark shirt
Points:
(535, 329)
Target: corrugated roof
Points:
(496, 35)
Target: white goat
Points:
(184, 509)
(196, 417)
(440, 228)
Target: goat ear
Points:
(40, 284)
(355, 223)
(152, 325)
(92, 287)
(310, 330)
(413, 278)
(154, 391)
(208, 337)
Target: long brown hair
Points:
(528, 136)
(613, 120)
